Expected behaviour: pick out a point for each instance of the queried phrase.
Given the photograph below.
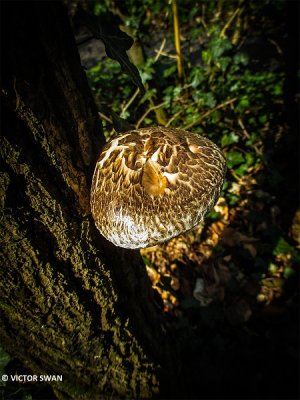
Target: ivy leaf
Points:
(250, 159)
(218, 46)
(283, 247)
(229, 138)
(234, 158)
(197, 77)
(241, 170)
(115, 41)
(206, 56)
(243, 104)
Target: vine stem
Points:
(177, 39)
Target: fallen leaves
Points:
(220, 262)
(271, 289)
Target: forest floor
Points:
(238, 326)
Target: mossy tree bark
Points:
(71, 303)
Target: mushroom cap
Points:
(152, 184)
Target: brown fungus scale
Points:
(152, 184)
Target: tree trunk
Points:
(71, 303)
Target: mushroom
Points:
(152, 184)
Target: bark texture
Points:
(71, 303)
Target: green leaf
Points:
(282, 247)
(146, 75)
(254, 138)
(215, 116)
(250, 159)
(241, 58)
(209, 99)
(218, 46)
(241, 170)
(213, 215)
(148, 95)
(229, 138)
(169, 71)
(177, 91)
(263, 118)
(288, 272)
(277, 89)
(206, 56)
(234, 158)
(224, 62)
(116, 42)
(233, 199)
(243, 103)
(273, 268)
(192, 117)
(197, 77)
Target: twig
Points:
(241, 124)
(173, 118)
(163, 53)
(147, 112)
(278, 48)
(103, 116)
(202, 18)
(209, 112)
(130, 101)
(228, 23)
(160, 51)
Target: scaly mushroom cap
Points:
(153, 184)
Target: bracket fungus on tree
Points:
(152, 184)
